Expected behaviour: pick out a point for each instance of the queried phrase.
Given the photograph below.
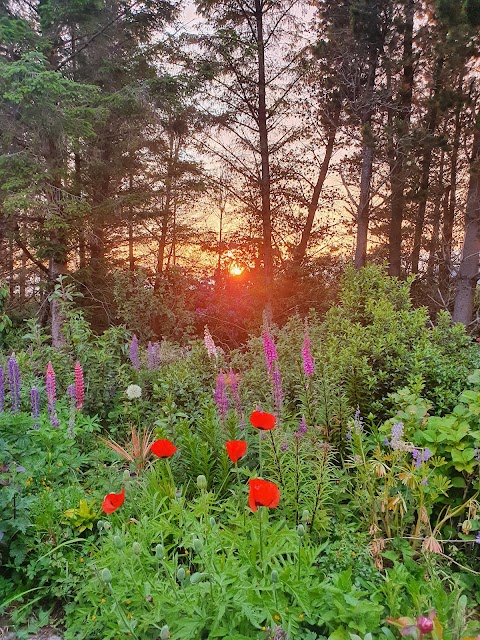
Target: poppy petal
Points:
(112, 501)
(263, 494)
(236, 449)
(163, 448)
(263, 420)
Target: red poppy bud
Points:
(236, 449)
(263, 420)
(112, 501)
(424, 624)
(263, 494)
(163, 448)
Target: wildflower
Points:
(133, 391)
(269, 348)
(232, 381)
(210, 344)
(112, 501)
(277, 389)
(396, 436)
(133, 353)
(420, 456)
(284, 446)
(424, 624)
(35, 406)
(263, 494)
(302, 429)
(431, 545)
(263, 420)
(2, 390)
(308, 359)
(163, 448)
(236, 449)
(156, 355)
(51, 395)
(14, 383)
(79, 386)
(221, 398)
(356, 428)
(477, 539)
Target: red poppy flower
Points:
(263, 420)
(163, 448)
(112, 501)
(236, 449)
(263, 494)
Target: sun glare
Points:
(235, 270)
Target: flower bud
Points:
(300, 530)
(306, 516)
(181, 573)
(137, 548)
(198, 545)
(274, 576)
(160, 551)
(126, 475)
(105, 576)
(107, 526)
(119, 542)
(165, 632)
(201, 482)
(196, 577)
(212, 521)
(424, 624)
(100, 525)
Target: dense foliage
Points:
(375, 517)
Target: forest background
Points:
(191, 165)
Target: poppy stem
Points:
(260, 450)
(240, 500)
(260, 536)
(299, 555)
(277, 459)
(122, 613)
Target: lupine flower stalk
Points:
(72, 395)
(14, 383)
(269, 348)
(134, 354)
(35, 406)
(221, 398)
(2, 390)
(156, 355)
(79, 386)
(210, 344)
(277, 389)
(308, 359)
(302, 429)
(235, 393)
(51, 395)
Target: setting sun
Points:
(235, 270)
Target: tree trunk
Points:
(265, 182)
(301, 249)
(468, 272)
(440, 200)
(426, 164)
(363, 211)
(397, 174)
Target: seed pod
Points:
(306, 516)
(105, 575)
(196, 577)
(100, 525)
(160, 551)
(165, 632)
(201, 482)
(181, 573)
(274, 576)
(198, 545)
(300, 530)
(119, 542)
(212, 521)
(126, 475)
(137, 548)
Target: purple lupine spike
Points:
(156, 355)
(302, 429)
(277, 389)
(210, 344)
(235, 393)
(35, 406)
(284, 446)
(396, 436)
(2, 390)
(308, 359)
(134, 354)
(150, 356)
(269, 349)
(14, 383)
(71, 393)
(51, 395)
(221, 398)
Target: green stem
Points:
(299, 555)
(277, 459)
(260, 536)
(260, 432)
